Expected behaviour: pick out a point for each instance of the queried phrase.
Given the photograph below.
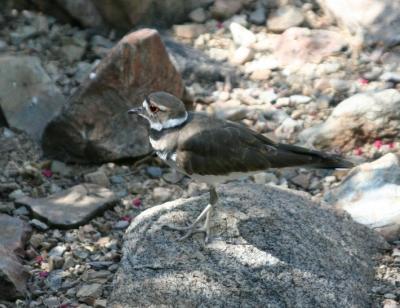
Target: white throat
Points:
(169, 123)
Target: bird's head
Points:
(162, 110)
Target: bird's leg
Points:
(207, 212)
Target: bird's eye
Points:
(154, 109)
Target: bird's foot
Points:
(192, 229)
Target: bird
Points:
(212, 150)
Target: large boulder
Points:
(371, 195)
(122, 14)
(271, 248)
(95, 126)
(378, 23)
(360, 118)
(27, 92)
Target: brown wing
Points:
(224, 149)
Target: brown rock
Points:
(13, 276)
(189, 31)
(73, 207)
(95, 126)
(298, 46)
(14, 234)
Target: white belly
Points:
(218, 179)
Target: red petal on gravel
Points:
(39, 259)
(378, 144)
(47, 173)
(126, 218)
(358, 151)
(363, 81)
(43, 274)
(391, 145)
(137, 202)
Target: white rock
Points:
(285, 17)
(371, 195)
(241, 35)
(242, 55)
(299, 99)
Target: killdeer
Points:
(214, 151)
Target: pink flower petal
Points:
(39, 259)
(358, 151)
(363, 81)
(391, 145)
(137, 202)
(378, 144)
(47, 173)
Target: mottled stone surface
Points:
(95, 126)
(360, 118)
(371, 195)
(71, 208)
(271, 248)
(26, 91)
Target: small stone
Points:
(100, 303)
(189, 31)
(299, 99)
(21, 211)
(285, 17)
(88, 293)
(302, 180)
(36, 240)
(122, 224)
(16, 194)
(55, 263)
(3, 45)
(173, 177)
(261, 74)
(154, 172)
(265, 177)
(117, 179)
(225, 8)
(7, 208)
(57, 251)
(258, 16)
(52, 302)
(390, 296)
(72, 53)
(241, 35)
(198, 15)
(161, 194)
(38, 224)
(60, 168)
(98, 177)
(242, 55)
(390, 77)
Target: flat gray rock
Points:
(271, 248)
(14, 234)
(71, 208)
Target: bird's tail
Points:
(315, 159)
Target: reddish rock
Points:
(298, 46)
(14, 233)
(13, 276)
(95, 126)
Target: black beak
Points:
(138, 110)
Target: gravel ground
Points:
(70, 267)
